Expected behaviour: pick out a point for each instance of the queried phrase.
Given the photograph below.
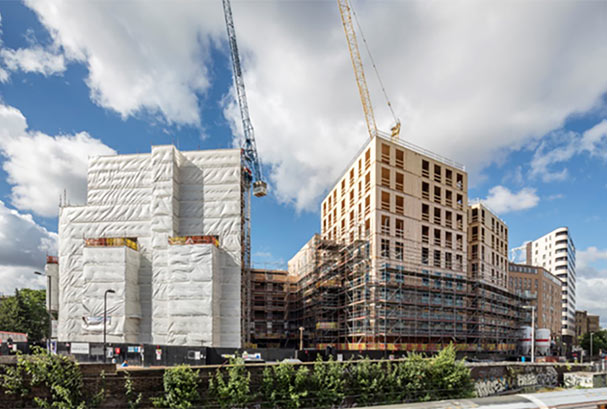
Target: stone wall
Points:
(489, 378)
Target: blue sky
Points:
(523, 106)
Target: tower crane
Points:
(260, 188)
(359, 72)
(252, 173)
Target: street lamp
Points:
(301, 330)
(591, 346)
(532, 308)
(105, 321)
(50, 316)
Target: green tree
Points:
(599, 341)
(26, 312)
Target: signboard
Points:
(54, 329)
(112, 242)
(136, 349)
(159, 354)
(182, 240)
(79, 348)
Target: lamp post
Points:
(532, 308)
(301, 330)
(50, 315)
(105, 321)
(591, 347)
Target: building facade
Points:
(161, 238)
(584, 324)
(269, 302)
(389, 269)
(555, 252)
(543, 289)
(487, 246)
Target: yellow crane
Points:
(359, 72)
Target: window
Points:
(400, 204)
(425, 168)
(437, 219)
(399, 251)
(437, 194)
(437, 238)
(459, 181)
(437, 173)
(400, 158)
(425, 212)
(385, 248)
(385, 201)
(448, 177)
(385, 177)
(385, 224)
(425, 190)
(400, 228)
(385, 153)
(425, 234)
(437, 258)
(400, 182)
(425, 255)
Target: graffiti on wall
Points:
(496, 380)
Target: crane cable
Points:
(381, 83)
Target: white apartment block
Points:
(164, 231)
(555, 252)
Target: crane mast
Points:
(248, 146)
(359, 71)
(252, 173)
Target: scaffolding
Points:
(268, 314)
(347, 302)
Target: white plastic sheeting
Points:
(114, 268)
(52, 273)
(152, 197)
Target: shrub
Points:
(133, 398)
(285, 387)
(59, 375)
(180, 385)
(235, 391)
(367, 382)
(328, 382)
(449, 378)
(409, 380)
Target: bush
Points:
(59, 375)
(409, 380)
(133, 398)
(367, 382)
(180, 385)
(328, 382)
(234, 392)
(449, 378)
(285, 387)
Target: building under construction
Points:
(388, 271)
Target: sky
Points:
(516, 91)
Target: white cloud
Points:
(141, 56)
(34, 59)
(23, 251)
(4, 76)
(502, 200)
(561, 146)
(40, 166)
(592, 254)
(591, 296)
(471, 80)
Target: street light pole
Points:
(532, 308)
(50, 315)
(591, 347)
(105, 321)
(301, 330)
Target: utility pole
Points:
(105, 321)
